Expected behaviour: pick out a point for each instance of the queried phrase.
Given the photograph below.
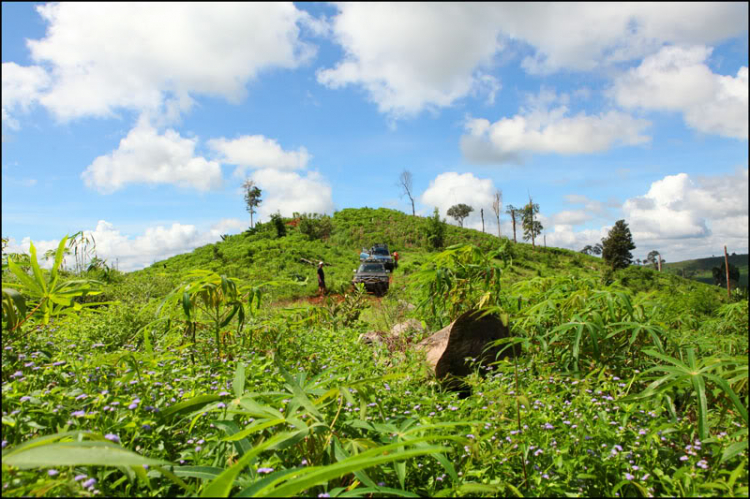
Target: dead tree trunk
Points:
(726, 265)
(481, 212)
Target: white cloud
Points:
(591, 206)
(450, 188)
(571, 217)
(563, 236)
(257, 151)
(677, 79)
(146, 157)
(135, 252)
(408, 57)
(287, 192)
(544, 126)
(154, 57)
(681, 217)
(585, 36)
(22, 86)
(412, 56)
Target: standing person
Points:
(395, 259)
(321, 279)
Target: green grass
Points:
(293, 404)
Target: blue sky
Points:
(139, 122)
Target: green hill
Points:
(259, 255)
(700, 269)
(221, 373)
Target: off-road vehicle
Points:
(380, 253)
(373, 275)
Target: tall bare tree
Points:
(481, 211)
(405, 181)
(497, 206)
(514, 215)
(252, 197)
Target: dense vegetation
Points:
(211, 373)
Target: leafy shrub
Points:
(435, 230)
(314, 225)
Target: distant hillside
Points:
(700, 269)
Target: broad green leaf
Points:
(77, 454)
(318, 475)
(255, 427)
(239, 380)
(733, 450)
(202, 472)
(36, 269)
(185, 407)
(222, 484)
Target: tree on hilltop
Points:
(531, 227)
(459, 212)
(720, 275)
(252, 197)
(405, 181)
(617, 245)
(513, 212)
(497, 207)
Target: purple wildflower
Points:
(25, 398)
(78, 478)
(112, 437)
(628, 476)
(89, 483)
(53, 472)
(79, 414)
(265, 470)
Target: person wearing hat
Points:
(321, 278)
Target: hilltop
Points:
(259, 255)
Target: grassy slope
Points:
(262, 256)
(702, 268)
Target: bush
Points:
(278, 224)
(314, 225)
(435, 230)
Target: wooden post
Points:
(726, 265)
(481, 210)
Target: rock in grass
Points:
(408, 328)
(467, 336)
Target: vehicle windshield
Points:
(371, 267)
(380, 251)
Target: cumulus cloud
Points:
(257, 151)
(571, 217)
(680, 216)
(22, 86)
(450, 188)
(408, 57)
(586, 36)
(288, 192)
(135, 252)
(155, 57)
(678, 79)
(545, 125)
(146, 157)
(412, 56)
